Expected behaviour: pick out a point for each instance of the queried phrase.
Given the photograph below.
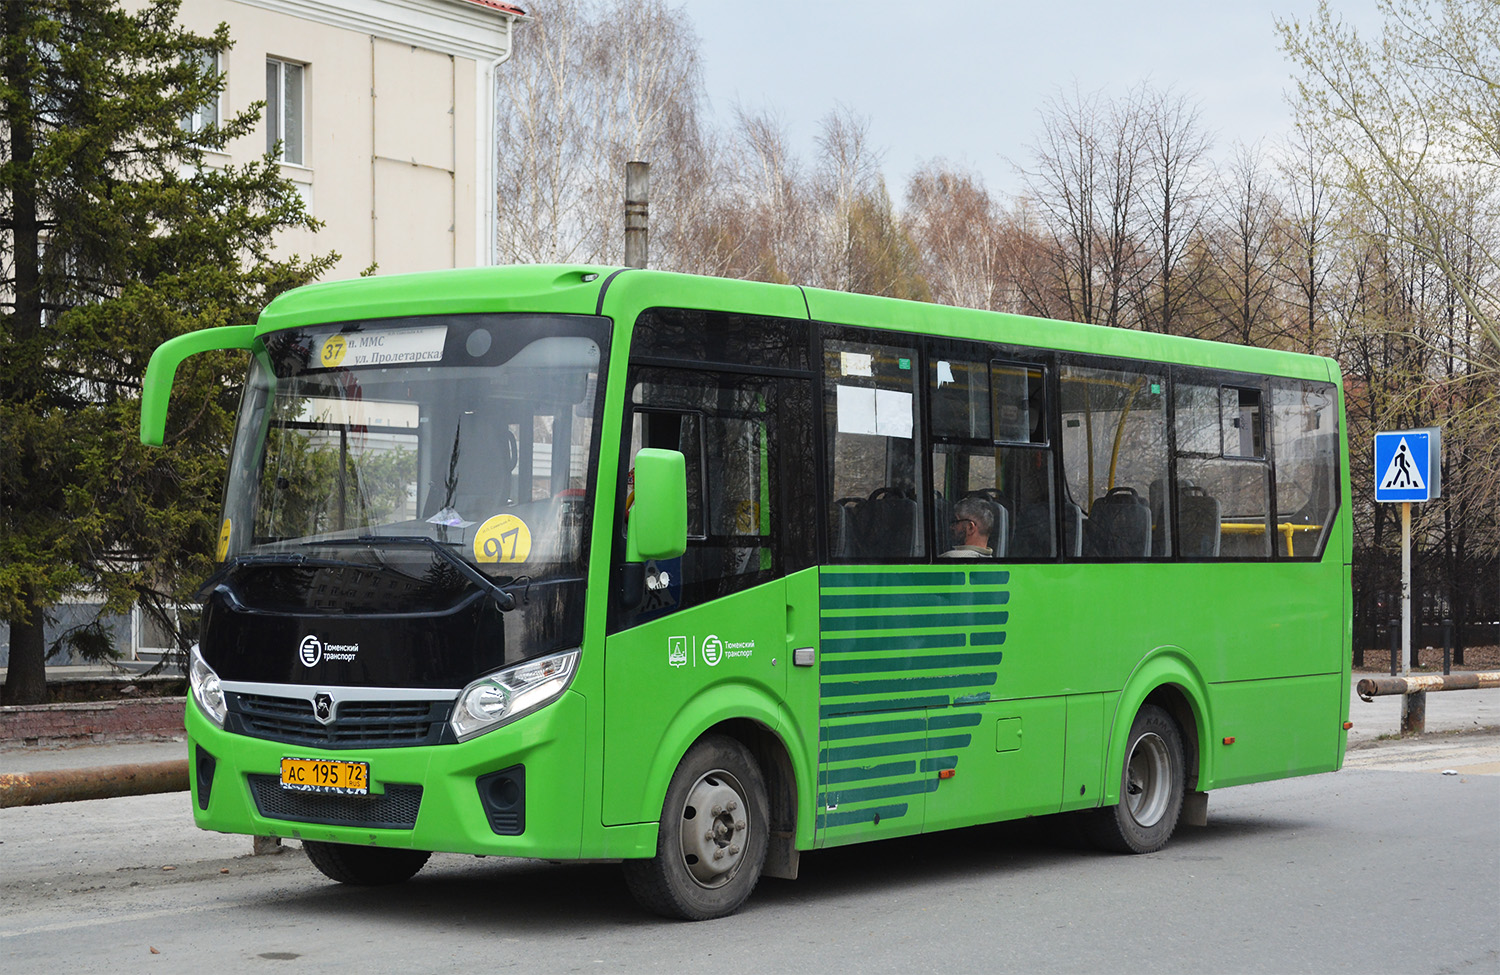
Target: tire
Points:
(364, 866)
(1152, 782)
(711, 844)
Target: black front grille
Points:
(396, 808)
(356, 724)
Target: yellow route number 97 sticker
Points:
(503, 538)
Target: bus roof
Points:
(581, 289)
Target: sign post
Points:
(1408, 468)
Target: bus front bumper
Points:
(425, 798)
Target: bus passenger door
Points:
(705, 639)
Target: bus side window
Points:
(725, 426)
(1114, 447)
(989, 432)
(1222, 484)
(1305, 445)
(874, 475)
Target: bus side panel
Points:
(1015, 768)
(1273, 729)
(871, 782)
(1083, 756)
(911, 657)
(799, 715)
(669, 680)
(1166, 667)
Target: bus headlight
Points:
(507, 694)
(206, 689)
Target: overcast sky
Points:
(964, 79)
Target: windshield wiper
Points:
(503, 599)
(269, 558)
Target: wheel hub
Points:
(714, 824)
(1148, 780)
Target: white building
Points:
(384, 110)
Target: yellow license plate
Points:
(322, 775)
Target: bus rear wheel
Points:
(711, 844)
(1152, 782)
(364, 866)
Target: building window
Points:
(284, 109)
(206, 114)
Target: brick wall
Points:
(148, 719)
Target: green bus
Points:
(698, 574)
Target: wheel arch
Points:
(780, 774)
(745, 713)
(1167, 678)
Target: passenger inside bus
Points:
(973, 520)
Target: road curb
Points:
(101, 722)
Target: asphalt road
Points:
(1387, 866)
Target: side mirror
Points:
(658, 519)
(162, 369)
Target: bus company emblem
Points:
(323, 708)
(713, 650)
(311, 650)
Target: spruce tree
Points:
(116, 235)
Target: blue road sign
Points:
(1408, 465)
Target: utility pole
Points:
(637, 211)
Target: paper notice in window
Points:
(893, 413)
(856, 410)
(856, 364)
(874, 412)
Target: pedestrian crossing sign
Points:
(1408, 465)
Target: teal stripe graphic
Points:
(861, 815)
(945, 742)
(900, 651)
(885, 771)
(875, 728)
(885, 665)
(906, 684)
(900, 580)
(882, 600)
(880, 749)
(943, 722)
(886, 749)
(892, 790)
(880, 644)
(908, 622)
(887, 704)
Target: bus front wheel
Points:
(711, 844)
(364, 866)
(1151, 788)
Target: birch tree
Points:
(1400, 113)
(594, 85)
(1085, 182)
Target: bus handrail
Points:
(1287, 528)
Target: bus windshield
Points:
(470, 431)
